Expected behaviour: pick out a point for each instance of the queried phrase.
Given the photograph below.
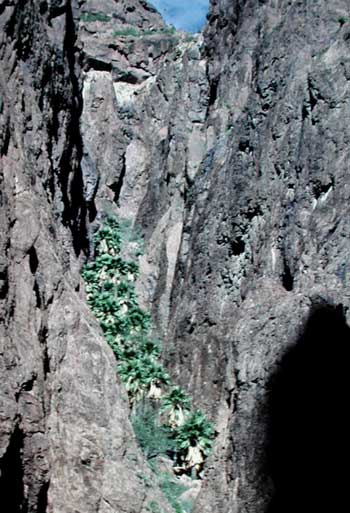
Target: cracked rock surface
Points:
(234, 161)
(229, 151)
(66, 444)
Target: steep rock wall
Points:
(231, 154)
(144, 135)
(66, 444)
(268, 235)
(261, 219)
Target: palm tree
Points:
(142, 375)
(132, 373)
(156, 379)
(176, 404)
(148, 346)
(194, 440)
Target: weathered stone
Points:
(241, 191)
(66, 444)
(230, 152)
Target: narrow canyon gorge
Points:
(227, 153)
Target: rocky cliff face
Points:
(230, 152)
(66, 444)
(241, 190)
(143, 130)
(267, 223)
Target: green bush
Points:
(171, 490)
(154, 438)
(343, 19)
(90, 17)
(127, 32)
(135, 32)
(153, 507)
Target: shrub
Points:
(153, 507)
(90, 17)
(135, 32)
(343, 19)
(127, 32)
(172, 490)
(154, 438)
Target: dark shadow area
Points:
(287, 277)
(309, 427)
(33, 260)
(76, 209)
(213, 92)
(11, 477)
(43, 499)
(116, 187)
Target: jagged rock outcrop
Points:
(268, 237)
(66, 444)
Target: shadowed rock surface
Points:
(308, 429)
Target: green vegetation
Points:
(176, 404)
(127, 32)
(194, 440)
(153, 507)
(163, 421)
(134, 32)
(90, 17)
(154, 438)
(343, 19)
(172, 490)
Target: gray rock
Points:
(66, 444)
(230, 152)
(236, 170)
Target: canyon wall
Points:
(235, 166)
(269, 240)
(228, 151)
(66, 444)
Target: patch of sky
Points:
(188, 15)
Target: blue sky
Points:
(184, 14)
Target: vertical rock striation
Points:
(268, 238)
(143, 130)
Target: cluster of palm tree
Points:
(110, 287)
(192, 432)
